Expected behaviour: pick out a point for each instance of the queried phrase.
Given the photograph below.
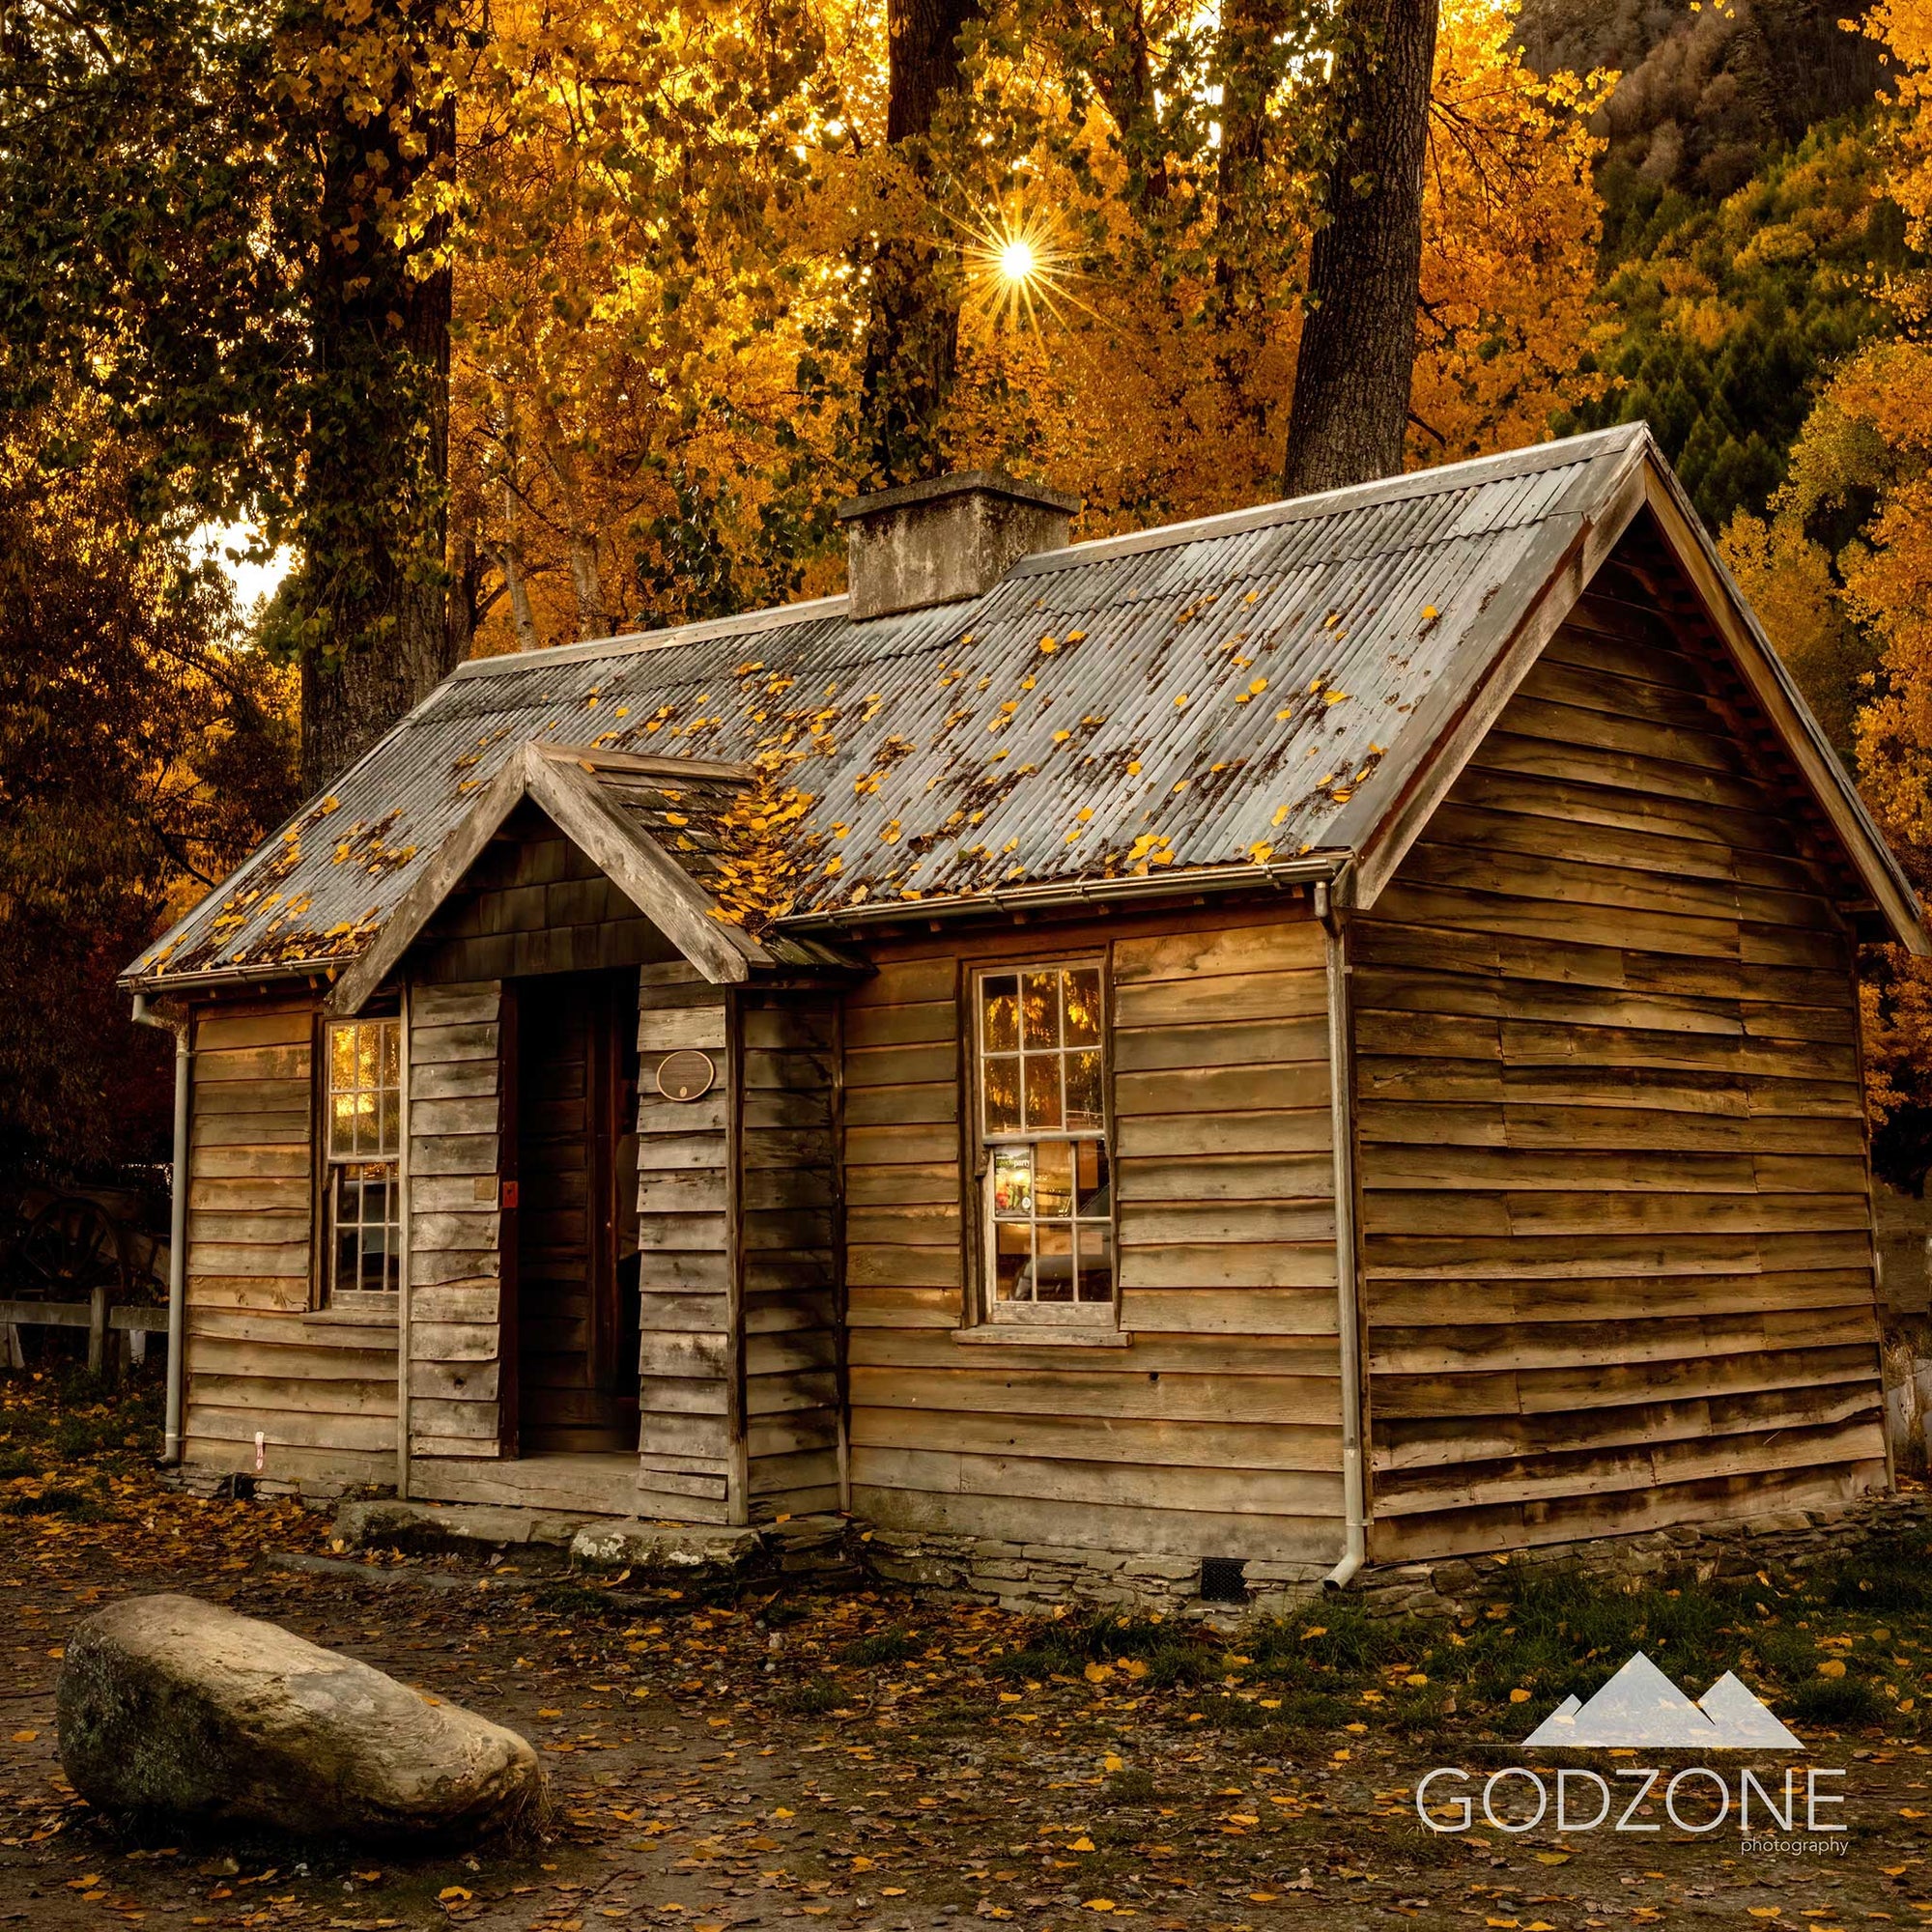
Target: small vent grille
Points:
(1222, 1581)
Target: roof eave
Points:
(1054, 894)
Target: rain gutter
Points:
(1349, 1301)
(171, 1440)
(1317, 867)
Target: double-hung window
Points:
(1049, 1198)
(362, 1138)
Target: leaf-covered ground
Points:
(862, 1760)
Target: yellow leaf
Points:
(25, 1737)
(1552, 1858)
(1099, 1905)
(453, 1894)
(1518, 1696)
(1083, 1843)
(1110, 1762)
(1832, 1666)
(1415, 1680)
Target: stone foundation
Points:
(1041, 1576)
(1032, 1579)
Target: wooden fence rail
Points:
(95, 1315)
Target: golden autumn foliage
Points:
(1853, 615)
(661, 268)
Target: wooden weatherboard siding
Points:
(456, 1059)
(690, 1445)
(788, 1175)
(320, 1390)
(738, 1263)
(1616, 1208)
(1218, 1431)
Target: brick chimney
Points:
(953, 537)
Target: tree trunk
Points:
(510, 561)
(1351, 381)
(585, 577)
(374, 568)
(912, 341)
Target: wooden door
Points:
(577, 1088)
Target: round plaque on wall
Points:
(686, 1075)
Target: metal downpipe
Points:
(1355, 1487)
(171, 1440)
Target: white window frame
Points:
(377, 1150)
(1061, 1314)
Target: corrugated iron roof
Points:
(1203, 696)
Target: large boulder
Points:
(171, 1706)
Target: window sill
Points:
(340, 1317)
(1042, 1335)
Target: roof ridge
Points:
(1471, 470)
(1471, 473)
(632, 643)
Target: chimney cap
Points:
(959, 483)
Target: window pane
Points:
(1083, 1090)
(1093, 1197)
(387, 1138)
(1095, 1242)
(341, 1125)
(366, 1057)
(1053, 1261)
(1013, 1182)
(1083, 1007)
(1043, 1090)
(1002, 1026)
(1053, 1180)
(1040, 1010)
(342, 1056)
(1002, 1094)
(392, 1053)
(1012, 1260)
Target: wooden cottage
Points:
(1324, 1033)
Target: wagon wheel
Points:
(69, 1249)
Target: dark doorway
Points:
(577, 1291)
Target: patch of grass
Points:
(886, 1646)
(74, 1505)
(573, 1600)
(1171, 1654)
(1841, 1703)
(1130, 1787)
(816, 1700)
(1891, 1576)
(1329, 1639)
(17, 1463)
